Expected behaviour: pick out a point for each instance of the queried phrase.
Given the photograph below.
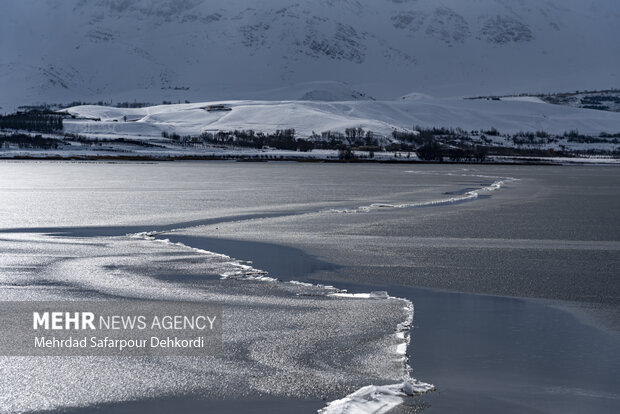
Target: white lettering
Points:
(40, 320)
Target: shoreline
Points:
(242, 158)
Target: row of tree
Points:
(285, 139)
(354, 139)
(282, 139)
(27, 141)
(45, 122)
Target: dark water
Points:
(484, 353)
(494, 354)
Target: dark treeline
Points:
(434, 151)
(599, 100)
(430, 144)
(285, 139)
(437, 144)
(38, 121)
(133, 104)
(27, 141)
(54, 107)
(98, 141)
(538, 152)
(538, 94)
(422, 136)
(282, 139)
(575, 136)
(356, 138)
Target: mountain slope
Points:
(60, 50)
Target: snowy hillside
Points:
(306, 117)
(151, 50)
(452, 129)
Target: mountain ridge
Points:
(202, 50)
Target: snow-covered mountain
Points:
(149, 50)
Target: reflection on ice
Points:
(280, 339)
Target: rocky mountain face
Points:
(149, 50)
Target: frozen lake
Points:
(419, 232)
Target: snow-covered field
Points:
(306, 117)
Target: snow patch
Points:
(532, 99)
(372, 295)
(376, 399)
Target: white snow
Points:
(533, 99)
(371, 295)
(306, 117)
(376, 399)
